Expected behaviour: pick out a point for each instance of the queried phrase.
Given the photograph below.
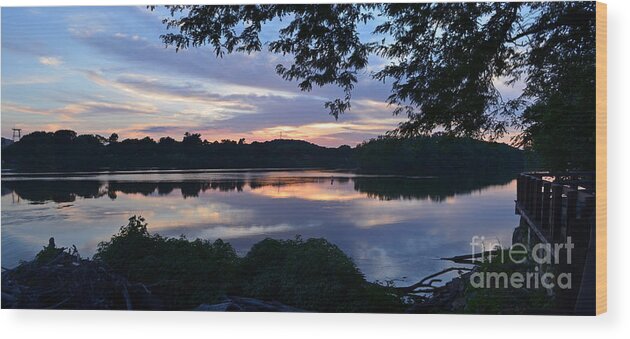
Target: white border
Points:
(97, 324)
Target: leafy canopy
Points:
(443, 61)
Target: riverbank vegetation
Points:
(139, 270)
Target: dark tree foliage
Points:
(444, 63)
(89, 139)
(185, 273)
(192, 139)
(113, 138)
(436, 155)
(314, 275)
(167, 141)
(43, 151)
(64, 136)
(559, 118)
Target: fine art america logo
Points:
(521, 266)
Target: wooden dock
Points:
(556, 206)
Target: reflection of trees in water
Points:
(434, 189)
(54, 190)
(383, 188)
(68, 190)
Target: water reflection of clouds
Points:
(210, 213)
(311, 191)
(388, 238)
(378, 259)
(230, 232)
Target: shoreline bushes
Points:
(311, 274)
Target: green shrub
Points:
(313, 275)
(184, 273)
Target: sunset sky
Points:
(104, 69)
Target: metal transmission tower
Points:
(17, 134)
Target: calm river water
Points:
(393, 227)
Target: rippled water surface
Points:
(393, 227)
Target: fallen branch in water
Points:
(429, 286)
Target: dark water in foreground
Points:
(393, 227)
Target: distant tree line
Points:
(437, 154)
(65, 150)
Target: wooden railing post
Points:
(520, 191)
(546, 208)
(524, 197)
(571, 210)
(531, 191)
(556, 212)
(536, 210)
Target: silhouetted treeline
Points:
(66, 151)
(436, 155)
